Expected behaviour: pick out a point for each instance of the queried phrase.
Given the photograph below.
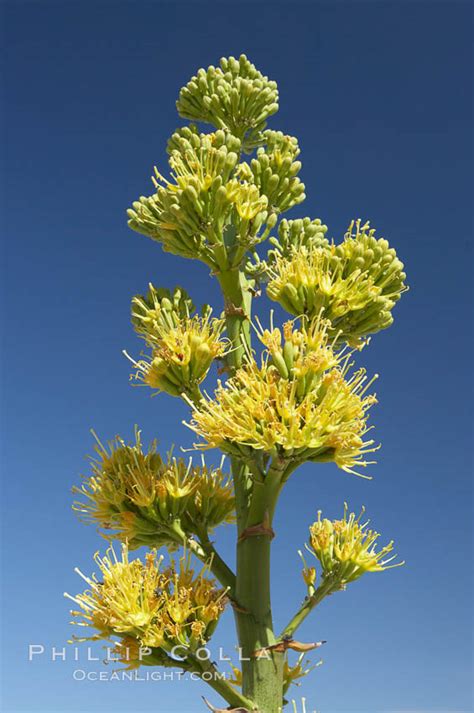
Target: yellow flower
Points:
(181, 355)
(300, 402)
(247, 199)
(147, 606)
(137, 496)
(291, 674)
(189, 214)
(354, 285)
(347, 549)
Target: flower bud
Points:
(234, 97)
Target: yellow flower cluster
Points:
(183, 347)
(147, 605)
(346, 548)
(300, 403)
(182, 356)
(138, 497)
(355, 284)
(204, 212)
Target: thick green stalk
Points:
(261, 676)
(237, 303)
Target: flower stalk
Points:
(293, 396)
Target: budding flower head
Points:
(300, 403)
(293, 235)
(274, 171)
(355, 284)
(189, 214)
(135, 495)
(183, 346)
(296, 234)
(234, 96)
(159, 311)
(182, 355)
(347, 549)
(142, 601)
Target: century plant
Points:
(293, 396)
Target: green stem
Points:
(205, 551)
(237, 301)
(325, 588)
(216, 564)
(262, 677)
(216, 680)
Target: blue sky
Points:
(378, 94)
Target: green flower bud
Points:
(235, 97)
(274, 171)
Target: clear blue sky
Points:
(378, 94)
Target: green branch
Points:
(204, 550)
(217, 681)
(328, 586)
(217, 565)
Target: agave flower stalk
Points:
(295, 394)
